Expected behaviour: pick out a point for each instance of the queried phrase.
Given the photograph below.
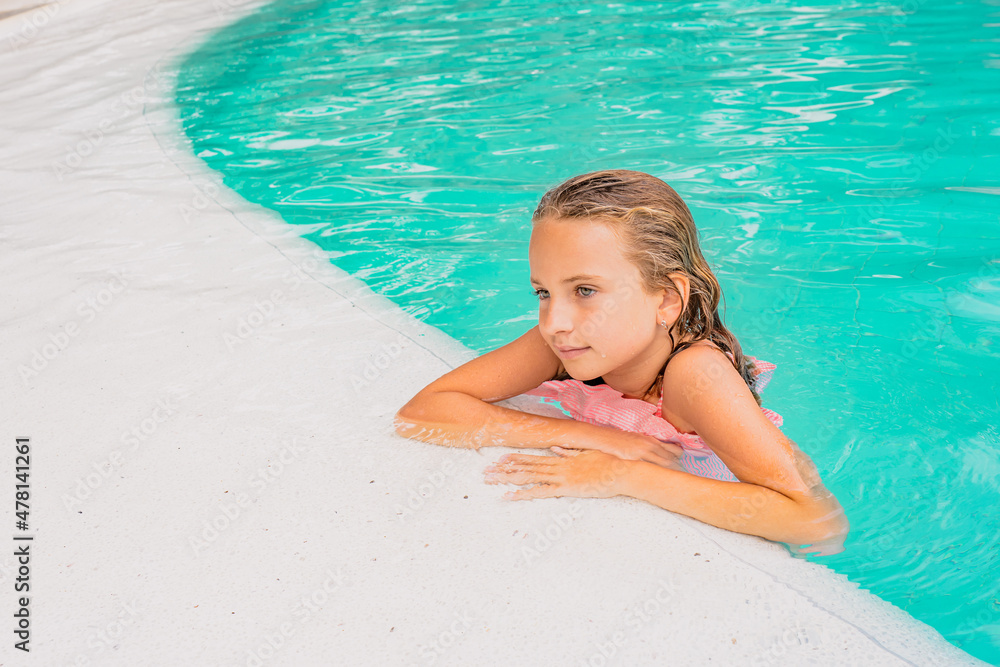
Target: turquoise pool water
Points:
(841, 160)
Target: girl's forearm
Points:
(736, 506)
(455, 419)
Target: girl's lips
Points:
(570, 354)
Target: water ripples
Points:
(841, 162)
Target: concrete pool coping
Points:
(215, 478)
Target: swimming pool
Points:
(840, 161)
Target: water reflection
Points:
(841, 162)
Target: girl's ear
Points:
(672, 306)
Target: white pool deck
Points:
(214, 476)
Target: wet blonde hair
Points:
(656, 233)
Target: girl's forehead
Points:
(581, 236)
(584, 253)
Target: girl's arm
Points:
(456, 409)
(457, 419)
(779, 496)
(739, 506)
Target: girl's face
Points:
(591, 297)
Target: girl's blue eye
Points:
(585, 296)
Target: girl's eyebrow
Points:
(581, 276)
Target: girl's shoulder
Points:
(693, 361)
(702, 344)
(705, 343)
(702, 358)
(761, 371)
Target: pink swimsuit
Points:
(602, 405)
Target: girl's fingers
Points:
(673, 464)
(669, 448)
(660, 460)
(673, 450)
(537, 491)
(524, 458)
(513, 477)
(502, 465)
(828, 548)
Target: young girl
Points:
(628, 320)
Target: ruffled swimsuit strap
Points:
(659, 401)
(762, 372)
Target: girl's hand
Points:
(641, 447)
(584, 473)
(834, 545)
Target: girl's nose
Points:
(555, 318)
